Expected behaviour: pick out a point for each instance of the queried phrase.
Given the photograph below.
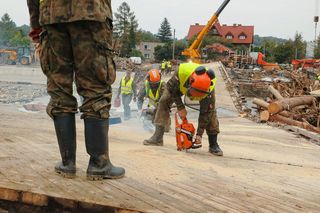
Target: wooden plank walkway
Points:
(264, 169)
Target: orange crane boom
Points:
(193, 51)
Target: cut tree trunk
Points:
(289, 103)
(291, 122)
(265, 105)
(275, 92)
(264, 116)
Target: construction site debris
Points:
(285, 97)
(20, 92)
(124, 63)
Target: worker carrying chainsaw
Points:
(198, 83)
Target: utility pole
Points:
(316, 20)
(173, 43)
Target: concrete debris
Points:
(20, 93)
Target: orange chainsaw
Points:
(184, 135)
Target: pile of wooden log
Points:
(301, 83)
(301, 111)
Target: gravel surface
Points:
(16, 92)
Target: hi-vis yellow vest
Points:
(163, 65)
(184, 73)
(126, 88)
(153, 100)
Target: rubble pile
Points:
(286, 97)
(20, 92)
(123, 63)
(291, 102)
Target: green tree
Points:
(124, 20)
(317, 48)
(165, 51)
(125, 29)
(19, 39)
(136, 53)
(7, 29)
(146, 36)
(268, 47)
(299, 47)
(283, 53)
(164, 33)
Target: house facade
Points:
(236, 33)
(147, 50)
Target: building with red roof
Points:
(237, 33)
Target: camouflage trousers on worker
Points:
(79, 52)
(207, 117)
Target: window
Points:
(242, 36)
(229, 36)
(147, 56)
(146, 47)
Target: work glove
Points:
(35, 35)
(183, 114)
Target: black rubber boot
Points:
(157, 137)
(97, 144)
(65, 126)
(214, 146)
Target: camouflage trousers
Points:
(79, 52)
(207, 118)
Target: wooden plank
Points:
(34, 199)
(180, 205)
(273, 200)
(8, 194)
(109, 196)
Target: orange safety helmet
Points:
(154, 76)
(200, 82)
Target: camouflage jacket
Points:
(207, 105)
(43, 12)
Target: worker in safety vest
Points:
(152, 90)
(127, 89)
(163, 66)
(169, 67)
(198, 83)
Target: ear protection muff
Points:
(201, 70)
(211, 74)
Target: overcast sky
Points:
(281, 18)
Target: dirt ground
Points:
(264, 169)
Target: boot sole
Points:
(216, 154)
(102, 177)
(146, 143)
(65, 174)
